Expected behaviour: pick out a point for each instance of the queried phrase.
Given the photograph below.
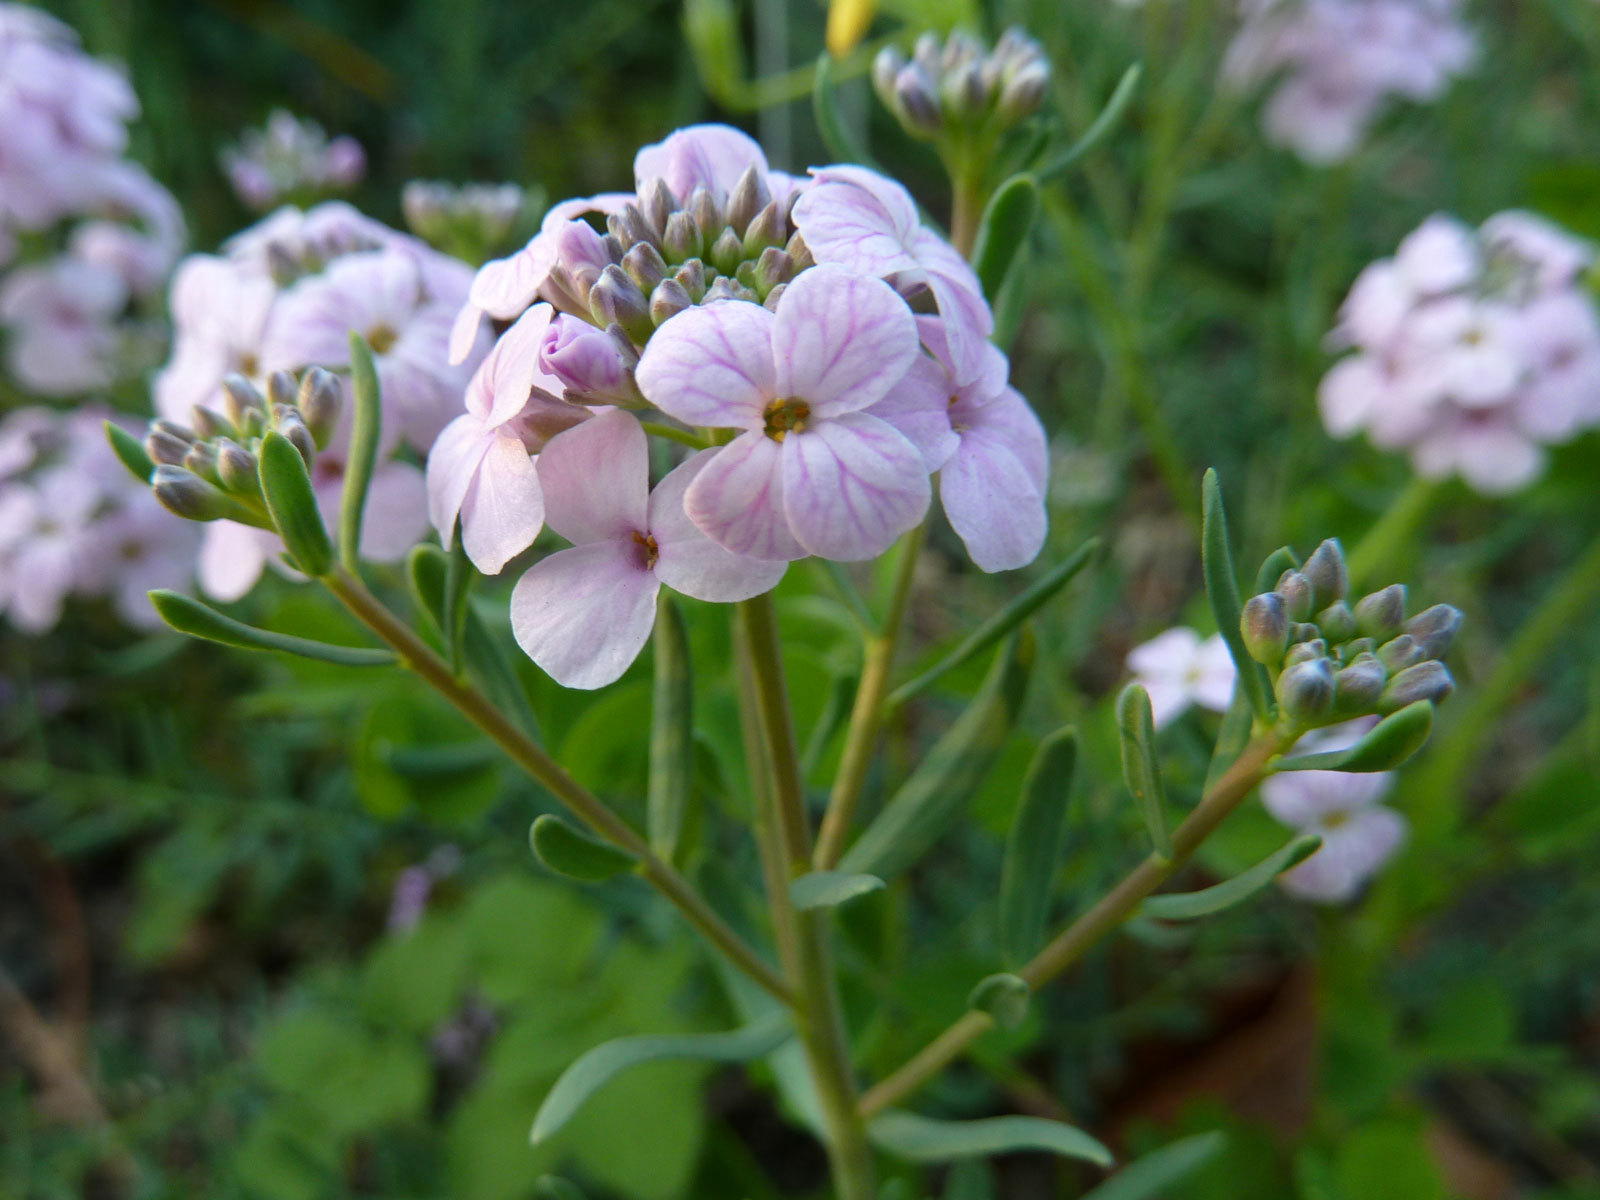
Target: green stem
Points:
(1115, 907)
(531, 757)
(966, 209)
(821, 1016)
(866, 716)
(684, 437)
(1392, 532)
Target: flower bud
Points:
(915, 102)
(691, 276)
(1401, 652)
(240, 398)
(682, 238)
(668, 300)
(797, 249)
(590, 363)
(1381, 614)
(727, 252)
(321, 398)
(629, 226)
(1428, 680)
(1360, 684)
(884, 69)
(1308, 651)
(926, 54)
(770, 227)
(707, 213)
(616, 299)
(208, 424)
(658, 204)
(1326, 572)
(578, 247)
(237, 469)
(282, 388)
(1355, 646)
(288, 421)
(961, 91)
(1295, 589)
(1264, 624)
(1337, 622)
(645, 266)
(1023, 93)
(1302, 631)
(202, 461)
(186, 494)
(749, 196)
(164, 446)
(775, 295)
(1306, 690)
(1435, 628)
(725, 287)
(772, 268)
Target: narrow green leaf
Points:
(829, 889)
(1187, 906)
(437, 758)
(599, 1066)
(835, 712)
(199, 620)
(1280, 560)
(1222, 588)
(573, 853)
(459, 577)
(1121, 97)
(1002, 623)
(129, 451)
(1007, 220)
(1233, 735)
(924, 1140)
(1152, 1176)
(362, 460)
(1033, 846)
(1004, 997)
(671, 736)
(947, 778)
(1139, 768)
(836, 133)
(1384, 747)
(293, 505)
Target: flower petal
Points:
(504, 509)
(596, 479)
(850, 225)
(396, 515)
(840, 341)
(502, 385)
(851, 485)
(992, 502)
(687, 560)
(712, 365)
(708, 156)
(231, 558)
(584, 614)
(919, 407)
(452, 466)
(737, 499)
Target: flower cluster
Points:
(1178, 669)
(71, 305)
(960, 85)
(72, 522)
(1474, 350)
(1333, 662)
(1337, 63)
(828, 350)
(448, 215)
(291, 160)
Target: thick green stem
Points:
(531, 757)
(820, 1014)
(1391, 533)
(1110, 911)
(966, 209)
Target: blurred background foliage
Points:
(198, 848)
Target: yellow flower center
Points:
(786, 416)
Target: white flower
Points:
(1179, 669)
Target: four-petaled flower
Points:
(1179, 669)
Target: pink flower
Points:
(868, 224)
(1178, 669)
(593, 366)
(708, 156)
(1358, 834)
(219, 312)
(480, 470)
(584, 614)
(62, 318)
(813, 473)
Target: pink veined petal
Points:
(584, 614)
(453, 464)
(231, 558)
(687, 560)
(601, 202)
(919, 407)
(709, 156)
(993, 367)
(840, 341)
(968, 324)
(504, 508)
(992, 504)
(396, 516)
(737, 499)
(503, 287)
(712, 365)
(888, 196)
(843, 224)
(1009, 420)
(506, 379)
(596, 479)
(464, 332)
(852, 485)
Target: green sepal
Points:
(1140, 771)
(573, 853)
(200, 620)
(1222, 588)
(129, 451)
(1121, 97)
(829, 889)
(1383, 748)
(362, 460)
(1033, 845)
(286, 485)
(1007, 220)
(671, 737)
(924, 1140)
(1187, 906)
(1004, 997)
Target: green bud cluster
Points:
(961, 86)
(208, 470)
(1331, 661)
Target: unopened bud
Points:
(726, 287)
(240, 398)
(1337, 622)
(1401, 652)
(1326, 572)
(927, 53)
(884, 69)
(1023, 93)
(1295, 589)
(1355, 646)
(658, 204)
(202, 461)
(186, 494)
(682, 238)
(749, 196)
(707, 213)
(1307, 651)
(1428, 680)
(775, 295)
(645, 266)
(1360, 684)
(915, 102)
(289, 422)
(727, 252)
(1435, 628)
(772, 268)
(237, 469)
(797, 249)
(961, 92)
(1265, 627)
(691, 278)
(668, 300)
(1306, 690)
(616, 299)
(208, 424)
(769, 227)
(282, 388)
(165, 447)
(594, 366)
(1381, 614)
(321, 399)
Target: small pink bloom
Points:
(708, 156)
(584, 614)
(814, 473)
(1178, 669)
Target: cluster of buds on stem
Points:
(209, 470)
(960, 86)
(1333, 661)
(472, 217)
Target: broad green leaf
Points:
(948, 776)
(293, 505)
(1121, 97)
(1152, 1175)
(1280, 560)
(573, 853)
(1007, 220)
(1033, 846)
(129, 451)
(829, 889)
(599, 1066)
(1384, 747)
(1222, 588)
(1189, 905)
(1004, 997)
(1002, 623)
(671, 737)
(836, 134)
(200, 620)
(1140, 771)
(924, 1140)
(362, 460)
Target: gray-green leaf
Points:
(1007, 220)
(1383, 748)
(287, 487)
(924, 1140)
(829, 889)
(199, 620)
(573, 853)
(365, 428)
(1139, 768)
(1222, 588)
(1152, 1175)
(1033, 846)
(1004, 997)
(1187, 906)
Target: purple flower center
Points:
(786, 416)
